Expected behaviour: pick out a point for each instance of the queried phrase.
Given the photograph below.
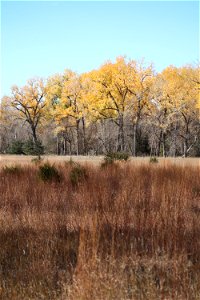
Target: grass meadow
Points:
(128, 230)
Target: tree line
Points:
(123, 106)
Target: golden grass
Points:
(26, 159)
(126, 231)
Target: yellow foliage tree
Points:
(64, 94)
(29, 101)
(175, 97)
(118, 88)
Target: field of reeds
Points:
(86, 232)
(6, 159)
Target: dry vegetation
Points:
(125, 231)
(6, 159)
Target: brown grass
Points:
(6, 159)
(127, 231)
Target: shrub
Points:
(37, 160)
(196, 191)
(108, 161)
(70, 163)
(12, 169)
(153, 160)
(77, 174)
(117, 156)
(110, 157)
(49, 172)
(16, 148)
(33, 148)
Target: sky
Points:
(41, 38)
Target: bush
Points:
(16, 148)
(77, 174)
(71, 163)
(110, 157)
(31, 148)
(116, 156)
(108, 161)
(12, 169)
(196, 191)
(37, 160)
(153, 160)
(48, 172)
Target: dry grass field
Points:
(128, 230)
(24, 159)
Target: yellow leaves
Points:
(29, 101)
(5, 107)
(198, 101)
(175, 91)
(59, 129)
(117, 87)
(65, 98)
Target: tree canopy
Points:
(121, 106)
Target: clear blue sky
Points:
(42, 38)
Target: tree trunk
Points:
(159, 143)
(185, 146)
(186, 140)
(135, 132)
(77, 137)
(121, 142)
(34, 134)
(64, 146)
(164, 144)
(70, 148)
(134, 139)
(103, 126)
(84, 137)
(186, 135)
(57, 145)
(175, 140)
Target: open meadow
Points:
(82, 230)
(6, 159)
(100, 150)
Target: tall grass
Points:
(124, 232)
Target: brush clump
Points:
(48, 172)
(77, 174)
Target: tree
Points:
(175, 98)
(11, 127)
(65, 99)
(140, 106)
(117, 89)
(187, 94)
(29, 101)
(121, 106)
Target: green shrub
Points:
(70, 163)
(49, 172)
(111, 157)
(16, 148)
(196, 191)
(116, 156)
(108, 161)
(37, 160)
(33, 148)
(12, 169)
(77, 174)
(153, 160)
